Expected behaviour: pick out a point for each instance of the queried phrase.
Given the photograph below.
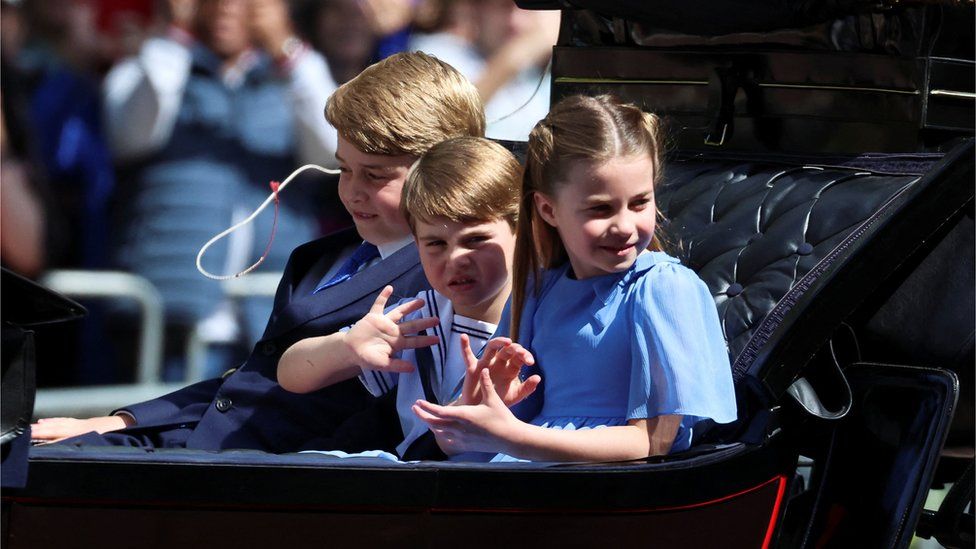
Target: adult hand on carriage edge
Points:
(503, 359)
(59, 428)
(485, 427)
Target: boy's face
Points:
(469, 263)
(369, 187)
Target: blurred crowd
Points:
(132, 131)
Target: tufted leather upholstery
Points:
(754, 230)
(770, 236)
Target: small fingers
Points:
(400, 366)
(506, 355)
(467, 353)
(528, 387)
(516, 355)
(397, 314)
(488, 394)
(428, 413)
(524, 355)
(381, 299)
(416, 342)
(419, 325)
(492, 348)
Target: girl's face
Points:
(604, 214)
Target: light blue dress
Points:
(631, 345)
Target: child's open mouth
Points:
(461, 284)
(363, 215)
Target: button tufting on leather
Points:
(749, 220)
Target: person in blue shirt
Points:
(627, 340)
(461, 202)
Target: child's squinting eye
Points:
(475, 240)
(435, 243)
(640, 203)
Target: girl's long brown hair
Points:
(578, 129)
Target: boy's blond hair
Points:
(466, 179)
(405, 104)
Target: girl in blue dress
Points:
(627, 339)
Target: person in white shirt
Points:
(200, 121)
(504, 51)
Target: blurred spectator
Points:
(203, 119)
(391, 20)
(123, 25)
(59, 62)
(504, 51)
(23, 215)
(49, 147)
(353, 34)
(341, 30)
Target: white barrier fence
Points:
(99, 400)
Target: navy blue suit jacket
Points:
(248, 409)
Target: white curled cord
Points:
(271, 198)
(538, 86)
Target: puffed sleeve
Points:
(680, 362)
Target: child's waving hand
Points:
(378, 337)
(504, 360)
(371, 344)
(480, 428)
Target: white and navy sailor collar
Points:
(436, 305)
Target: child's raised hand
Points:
(485, 427)
(378, 336)
(504, 360)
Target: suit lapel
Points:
(306, 306)
(305, 260)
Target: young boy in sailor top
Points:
(461, 203)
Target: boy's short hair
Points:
(466, 179)
(405, 104)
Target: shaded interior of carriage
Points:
(820, 180)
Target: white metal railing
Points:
(197, 344)
(99, 400)
(116, 284)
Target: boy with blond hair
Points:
(461, 202)
(386, 117)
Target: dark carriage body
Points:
(838, 244)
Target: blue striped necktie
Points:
(365, 253)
